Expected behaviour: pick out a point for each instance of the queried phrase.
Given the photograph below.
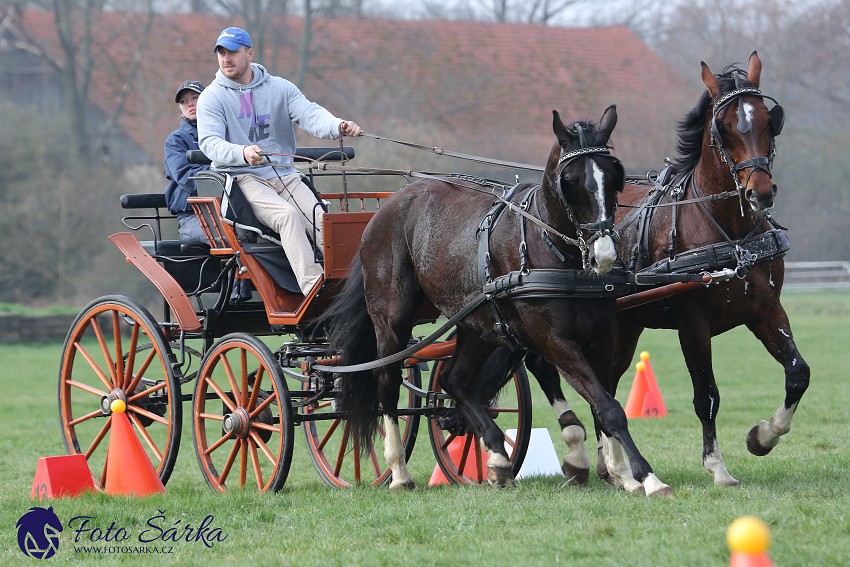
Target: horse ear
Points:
(608, 121)
(710, 80)
(560, 130)
(754, 69)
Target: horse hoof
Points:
(662, 492)
(755, 446)
(575, 475)
(731, 482)
(499, 477)
(406, 485)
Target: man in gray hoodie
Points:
(247, 112)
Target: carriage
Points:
(247, 397)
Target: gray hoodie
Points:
(231, 116)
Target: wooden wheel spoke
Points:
(243, 462)
(131, 357)
(231, 379)
(327, 436)
(146, 436)
(265, 426)
(88, 416)
(258, 379)
(373, 457)
(510, 442)
(94, 366)
(255, 464)
(142, 369)
(479, 464)
(263, 447)
(104, 349)
(340, 456)
(231, 458)
(356, 463)
(141, 411)
(214, 417)
(143, 393)
(272, 397)
(224, 397)
(98, 438)
(224, 438)
(87, 388)
(243, 374)
(119, 352)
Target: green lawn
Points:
(802, 489)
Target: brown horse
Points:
(709, 211)
(443, 241)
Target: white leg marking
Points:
(654, 487)
(498, 460)
(394, 454)
(615, 462)
(560, 407)
(779, 424)
(714, 464)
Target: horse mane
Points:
(692, 127)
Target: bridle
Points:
(763, 163)
(599, 228)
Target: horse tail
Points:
(351, 335)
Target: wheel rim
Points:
(242, 418)
(115, 350)
(329, 442)
(460, 454)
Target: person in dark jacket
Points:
(178, 170)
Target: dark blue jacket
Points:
(178, 170)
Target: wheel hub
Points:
(237, 423)
(106, 401)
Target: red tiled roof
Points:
(472, 87)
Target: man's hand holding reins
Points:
(350, 128)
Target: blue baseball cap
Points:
(233, 39)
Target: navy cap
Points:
(233, 39)
(196, 86)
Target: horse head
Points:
(587, 178)
(742, 130)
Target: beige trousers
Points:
(287, 206)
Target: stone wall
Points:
(16, 328)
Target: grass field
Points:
(802, 489)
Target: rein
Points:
(441, 152)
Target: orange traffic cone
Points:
(456, 453)
(128, 469)
(645, 397)
(637, 395)
(66, 475)
(653, 404)
(748, 539)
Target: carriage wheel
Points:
(242, 417)
(458, 452)
(341, 465)
(115, 349)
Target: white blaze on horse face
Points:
(748, 114)
(603, 249)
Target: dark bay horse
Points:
(426, 243)
(723, 185)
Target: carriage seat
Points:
(188, 262)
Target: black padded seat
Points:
(188, 262)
